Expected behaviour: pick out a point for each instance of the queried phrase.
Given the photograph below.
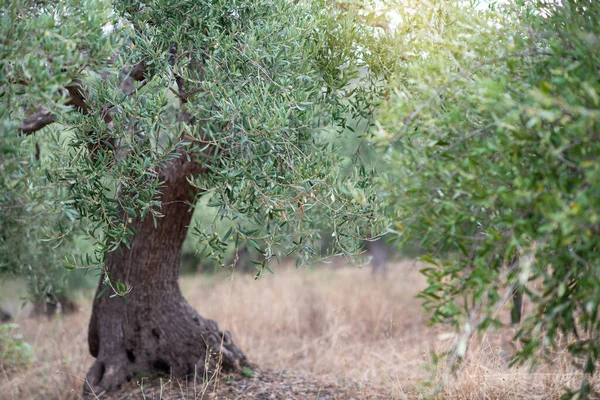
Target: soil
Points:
(262, 385)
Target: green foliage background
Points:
(492, 135)
(488, 133)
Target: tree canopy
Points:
(117, 117)
(492, 135)
(244, 88)
(151, 105)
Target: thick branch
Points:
(77, 97)
(34, 122)
(43, 117)
(136, 73)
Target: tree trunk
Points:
(154, 329)
(517, 306)
(50, 306)
(379, 254)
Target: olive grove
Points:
(146, 106)
(491, 133)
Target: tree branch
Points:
(77, 97)
(43, 117)
(138, 71)
(34, 122)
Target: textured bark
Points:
(154, 329)
(36, 121)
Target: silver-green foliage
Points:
(492, 134)
(41, 46)
(36, 222)
(244, 87)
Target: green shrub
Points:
(14, 351)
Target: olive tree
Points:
(151, 105)
(492, 132)
(25, 248)
(38, 229)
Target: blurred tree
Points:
(379, 251)
(36, 226)
(51, 305)
(154, 104)
(492, 133)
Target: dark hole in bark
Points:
(161, 365)
(155, 333)
(515, 313)
(4, 316)
(128, 378)
(102, 371)
(130, 356)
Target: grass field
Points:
(333, 325)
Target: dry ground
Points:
(323, 333)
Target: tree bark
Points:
(154, 329)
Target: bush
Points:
(14, 351)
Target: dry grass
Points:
(330, 324)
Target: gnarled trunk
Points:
(154, 329)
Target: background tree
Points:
(493, 134)
(152, 105)
(37, 228)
